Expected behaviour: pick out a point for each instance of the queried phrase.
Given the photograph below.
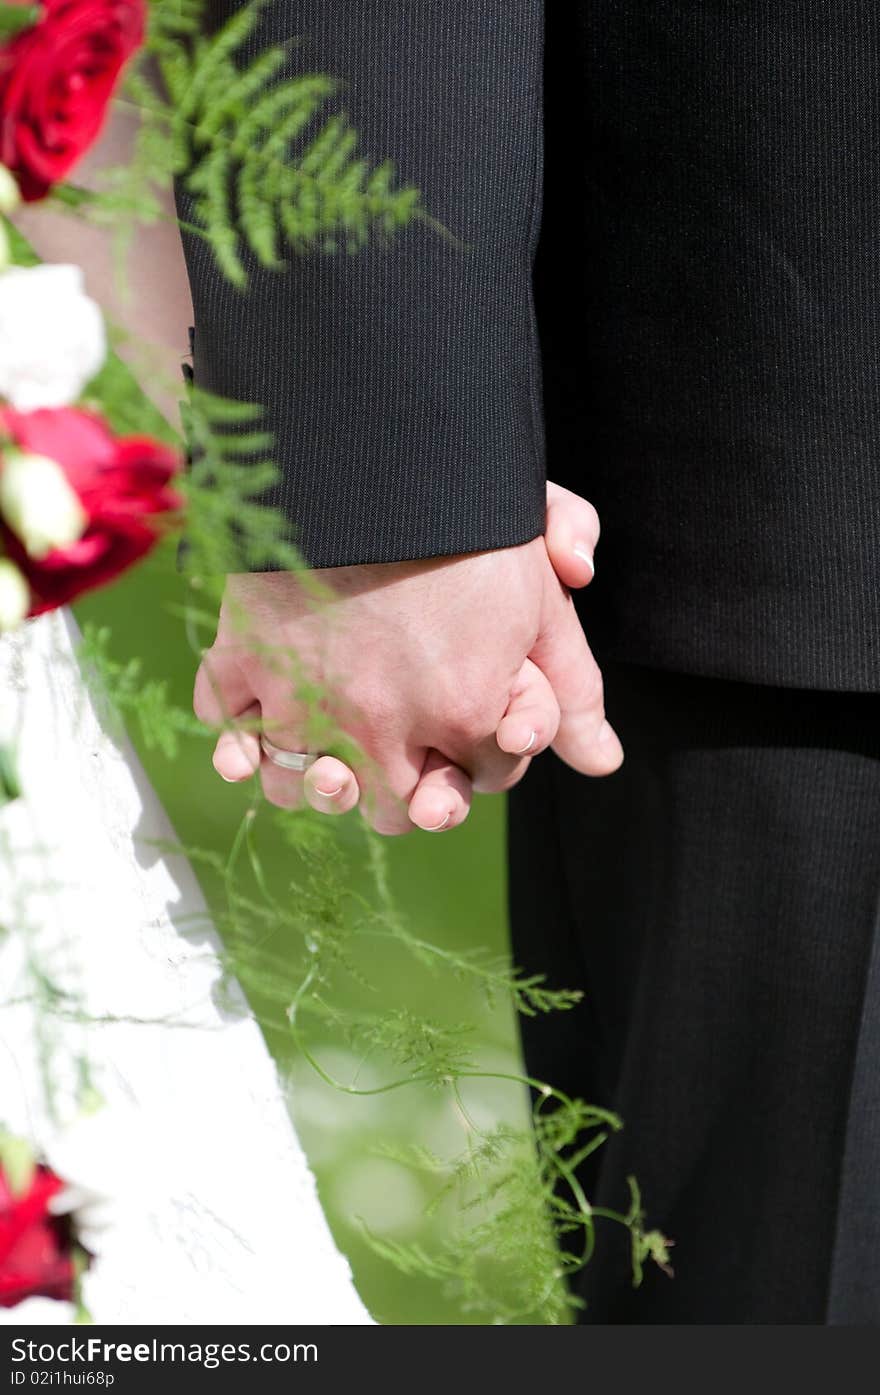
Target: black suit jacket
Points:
(674, 312)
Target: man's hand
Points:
(448, 674)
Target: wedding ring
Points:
(288, 760)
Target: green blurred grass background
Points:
(451, 891)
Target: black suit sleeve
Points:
(403, 382)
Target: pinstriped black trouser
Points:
(717, 901)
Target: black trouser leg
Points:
(717, 901)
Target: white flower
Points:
(37, 502)
(51, 336)
(106, 1160)
(15, 598)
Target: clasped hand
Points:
(447, 675)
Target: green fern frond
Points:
(412, 1155)
(499, 1259)
(435, 1052)
(562, 1126)
(253, 177)
(172, 18)
(241, 96)
(161, 721)
(410, 1259)
(230, 528)
(495, 977)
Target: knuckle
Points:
(503, 781)
(468, 716)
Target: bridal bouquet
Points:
(78, 504)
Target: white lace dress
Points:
(109, 993)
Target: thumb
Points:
(586, 741)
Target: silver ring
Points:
(288, 760)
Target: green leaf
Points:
(123, 402)
(22, 252)
(15, 18)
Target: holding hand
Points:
(449, 674)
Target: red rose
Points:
(36, 1248)
(56, 80)
(122, 483)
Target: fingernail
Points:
(529, 744)
(438, 827)
(230, 780)
(329, 794)
(581, 550)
